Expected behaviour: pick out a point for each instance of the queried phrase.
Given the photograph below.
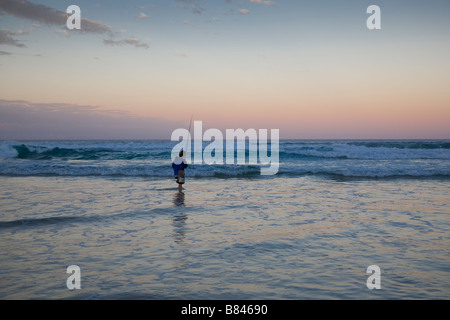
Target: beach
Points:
(310, 232)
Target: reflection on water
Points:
(282, 238)
(179, 218)
(178, 199)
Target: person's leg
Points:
(180, 180)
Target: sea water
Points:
(334, 208)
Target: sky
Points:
(140, 69)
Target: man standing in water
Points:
(178, 165)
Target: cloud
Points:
(37, 12)
(64, 32)
(22, 120)
(195, 6)
(130, 41)
(51, 17)
(196, 9)
(266, 3)
(4, 53)
(142, 16)
(5, 38)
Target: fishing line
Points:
(189, 136)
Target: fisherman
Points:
(178, 165)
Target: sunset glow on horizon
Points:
(311, 69)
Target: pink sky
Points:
(308, 79)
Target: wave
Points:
(400, 144)
(323, 169)
(372, 159)
(38, 150)
(43, 153)
(365, 150)
(288, 151)
(427, 145)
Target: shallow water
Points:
(306, 237)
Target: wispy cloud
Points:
(239, 7)
(37, 12)
(130, 41)
(7, 39)
(42, 14)
(266, 3)
(142, 16)
(191, 4)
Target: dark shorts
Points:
(180, 177)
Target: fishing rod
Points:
(189, 136)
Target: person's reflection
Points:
(179, 219)
(178, 199)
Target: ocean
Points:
(334, 208)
